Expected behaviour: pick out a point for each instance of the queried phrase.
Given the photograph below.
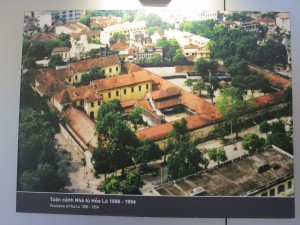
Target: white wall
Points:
(11, 15)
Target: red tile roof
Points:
(121, 81)
(191, 46)
(90, 63)
(271, 98)
(61, 49)
(76, 26)
(44, 37)
(80, 124)
(119, 45)
(86, 93)
(167, 103)
(275, 79)
(103, 21)
(184, 68)
(166, 92)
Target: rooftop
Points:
(241, 176)
(80, 124)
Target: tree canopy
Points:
(252, 142)
(231, 105)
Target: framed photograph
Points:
(164, 113)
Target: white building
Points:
(67, 15)
(283, 21)
(186, 38)
(44, 17)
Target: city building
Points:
(283, 21)
(269, 172)
(63, 52)
(60, 79)
(71, 28)
(67, 15)
(186, 38)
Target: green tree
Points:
(103, 160)
(231, 105)
(185, 158)
(206, 67)
(155, 60)
(115, 134)
(29, 62)
(153, 20)
(198, 86)
(252, 142)
(117, 36)
(237, 67)
(239, 16)
(38, 180)
(56, 60)
(36, 50)
(147, 151)
(36, 141)
(85, 20)
(264, 127)
(133, 183)
(112, 185)
(220, 131)
(25, 46)
(179, 58)
(217, 155)
(65, 39)
(95, 74)
(169, 47)
(135, 117)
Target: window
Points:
(103, 71)
(124, 91)
(76, 77)
(70, 80)
(110, 70)
(117, 68)
(140, 88)
(81, 102)
(92, 104)
(272, 192)
(132, 89)
(264, 194)
(147, 86)
(281, 188)
(99, 103)
(117, 93)
(289, 184)
(109, 94)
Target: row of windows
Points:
(110, 70)
(280, 188)
(93, 104)
(125, 90)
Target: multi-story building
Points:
(64, 53)
(124, 28)
(283, 21)
(67, 15)
(43, 83)
(90, 97)
(186, 38)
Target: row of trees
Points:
(38, 50)
(118, 145)
(36, 154)
(226, 42)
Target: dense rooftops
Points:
(242, 176)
